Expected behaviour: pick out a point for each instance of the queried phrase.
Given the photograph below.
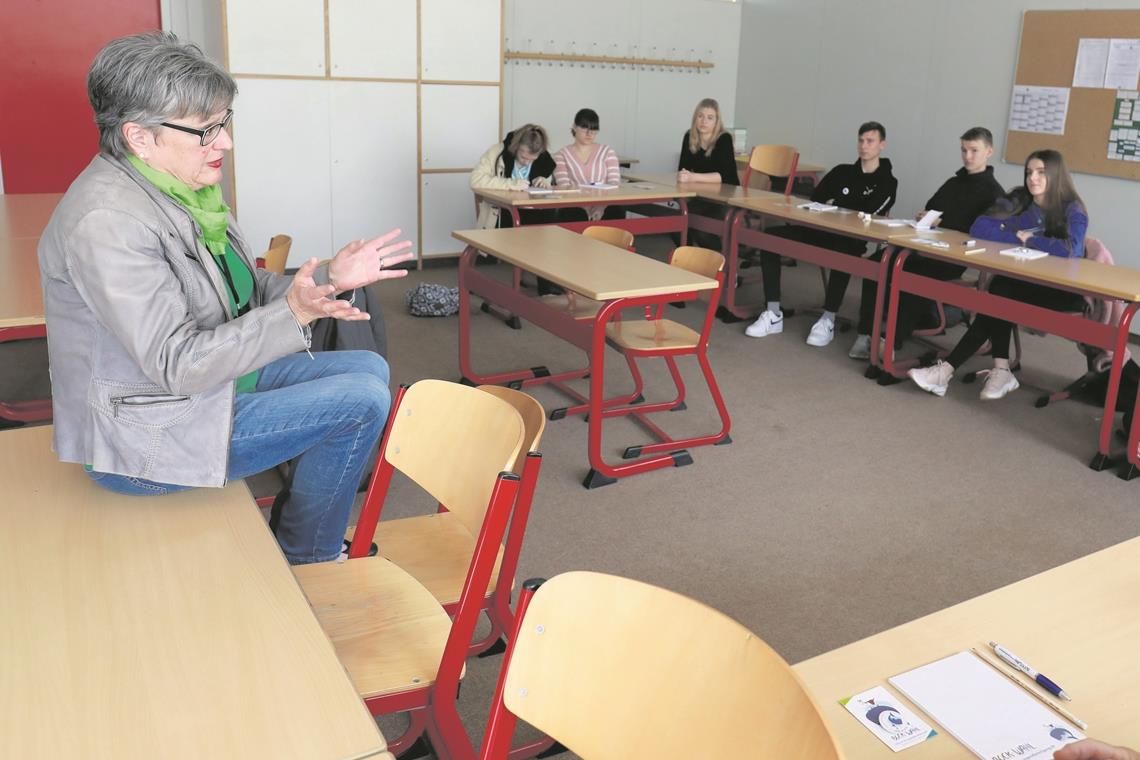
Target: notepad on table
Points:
(983, 710)
(817, 206)
(601, 186)
(929, 241)
(552, 190)
(1021, 253)
(893, 222)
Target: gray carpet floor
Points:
(841, 508)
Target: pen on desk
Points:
(1042, 699)
(972, 251)
(1009, 657)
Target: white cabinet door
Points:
(373, 38)
(459, 123)
(460, 40)
(271, 37)
(448, 205)
(281, 164)
(374, 171)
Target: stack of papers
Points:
(894, 222)
(1021, 253)
(552, 190)
(602, 186)
(983, 710)
(930, 241)
(817, 206)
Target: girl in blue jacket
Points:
(1047, 214)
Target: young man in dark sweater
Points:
(865, 185)
(961, 199)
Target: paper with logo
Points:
(984, 711)
(895, 725)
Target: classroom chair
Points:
(774, 161)
(400, 648)
(655, 336)
(436, 549)
(614, 668)
(273, 260)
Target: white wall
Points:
(812, 70)
(643, 112)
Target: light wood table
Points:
(1078, 622)
(627, 194)
(775, 206)
(596, 270)
(1088, 278)
(146, 627)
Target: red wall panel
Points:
(47, 131)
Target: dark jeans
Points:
(836, 281)
(911, 307)
(998, 331)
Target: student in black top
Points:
(865, 185)
(707, 156)
(961, 199)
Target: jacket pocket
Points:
(139, 404)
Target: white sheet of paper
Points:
(1039, 109)
(1092, 59)
(1023, 254)
(928, 220)
(1123, 68)
(818, 206)
(887, 718)
(983, 710)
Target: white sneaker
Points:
(768, 323)
(822, 333)
(934, 378)
(861, 348)
(999, 382)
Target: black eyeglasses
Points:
(210, 133)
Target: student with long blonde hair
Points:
(707, 156)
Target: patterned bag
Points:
(429, 299)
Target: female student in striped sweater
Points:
(585, 162)
(1047, 214)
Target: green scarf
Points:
(205, 206)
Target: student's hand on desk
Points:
(365, 261)
(684, 176)
(541, 182)
(1024, 235)
(519, 184)
(1091, 749)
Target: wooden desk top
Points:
(21, 299)
(1089, 276)
(586, 197)
(1078, 622)
(712, 191)
(625, 161)
(144, 627)
(25, 214)
(843, 221)
(594, 269)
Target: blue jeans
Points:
(328, 412)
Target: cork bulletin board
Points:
(1047, 58)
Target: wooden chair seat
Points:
(434, 549)
(389, 632)
(645, 335)
(578, 307)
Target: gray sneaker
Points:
(861, 348)
(934, 378)
(999, 382)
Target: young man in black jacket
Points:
(865, 185)
(961, 199)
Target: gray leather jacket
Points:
(143, 349)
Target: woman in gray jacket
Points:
(175, 362)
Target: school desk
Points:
(167, 626)
(594, 269)
(1079, 623)
(1088, 278)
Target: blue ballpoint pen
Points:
(1017, 662)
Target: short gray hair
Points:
(151, 78)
